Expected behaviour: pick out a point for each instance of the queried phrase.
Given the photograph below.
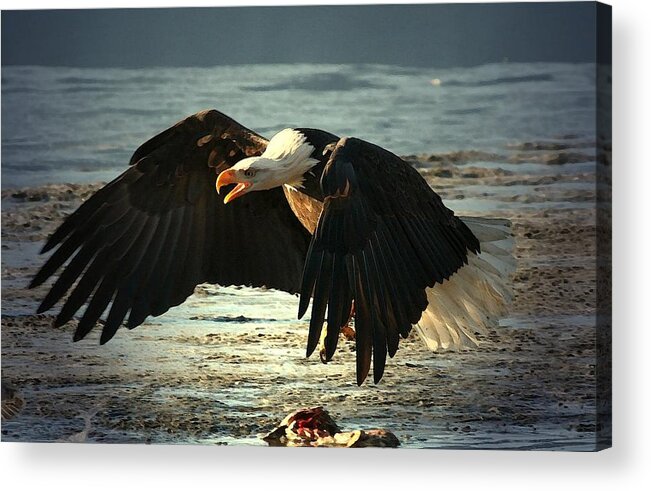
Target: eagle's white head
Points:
(284, 161)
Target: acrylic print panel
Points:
(487, 328)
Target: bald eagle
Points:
(340, 221)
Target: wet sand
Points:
(229, 364)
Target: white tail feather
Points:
(476, 296)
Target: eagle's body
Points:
(338, 220)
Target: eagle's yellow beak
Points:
(230, 177)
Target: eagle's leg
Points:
(346, 331)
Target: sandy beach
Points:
(228, 365)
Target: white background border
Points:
(98, 467)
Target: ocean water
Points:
(82, 125)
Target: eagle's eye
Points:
(249, 173)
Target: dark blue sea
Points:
(82, 125)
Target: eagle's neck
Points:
(291, 154)
(322, 143)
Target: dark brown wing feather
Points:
(383, 237)
(144, 241)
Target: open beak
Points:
(229, 177)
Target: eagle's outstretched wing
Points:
(145, 240)
(384, 236)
